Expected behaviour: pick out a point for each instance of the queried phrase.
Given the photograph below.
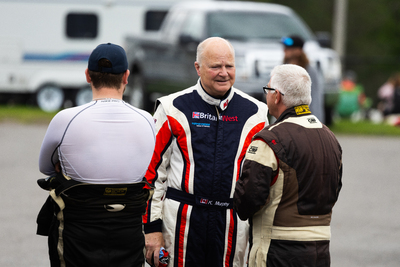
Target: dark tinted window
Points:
(255, 25)
(154, 20)
(81, 25)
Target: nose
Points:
(223, 72)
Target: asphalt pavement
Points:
(365, 222)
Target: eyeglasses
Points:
(266, 88)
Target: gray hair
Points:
(294, 82)
(201, 47)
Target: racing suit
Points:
(290, 181)
(200, 144)
(104, 148)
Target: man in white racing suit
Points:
(202, 135)
(107, 144)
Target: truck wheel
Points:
(83, 96)
(50, 98)
(136, 95)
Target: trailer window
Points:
(154, 20)
(82, 25)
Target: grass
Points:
(24, 114)
(364, 128)
(33, 115)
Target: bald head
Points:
(215, 65)
(213, 42)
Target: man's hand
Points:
(154, 241)
(57, 167)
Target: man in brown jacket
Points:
(291, 178)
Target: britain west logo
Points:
(202, 115)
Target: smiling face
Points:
(216, 67)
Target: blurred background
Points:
(365, 35)
(371, 41)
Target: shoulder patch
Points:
(253, 149)
(262, 153)
(312, 120)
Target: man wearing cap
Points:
(294, 54)
(98, 154)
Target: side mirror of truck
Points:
(188, 42)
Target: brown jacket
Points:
(290, 181)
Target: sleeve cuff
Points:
(153, 227)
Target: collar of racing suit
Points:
(221, 103)
(299, 110)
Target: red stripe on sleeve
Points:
(162, 139)
(246, 144)
(180, 134)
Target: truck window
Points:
(172, 27)
(82, 25)
(154, 19)
(194, 25)
(255, 25)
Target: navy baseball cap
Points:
(293, 41)
(114, 53)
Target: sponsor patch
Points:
(253, 149)
(312, 120)
(199, 124)
(115, 191)
(203, 201)
(202, 115)
(303, 109)
(226, 103)
(229, 118)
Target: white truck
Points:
(162, 62)
(45, 44)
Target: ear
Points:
(88, 79)
(197, 66)
(125, 77)
(278, 98)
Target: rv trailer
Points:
(45, 44)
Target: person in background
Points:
(97, 155)
(291, 178)
(294, 54)
(203, 133)
(352, 99)
(389, 95)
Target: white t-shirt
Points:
(103, 142)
